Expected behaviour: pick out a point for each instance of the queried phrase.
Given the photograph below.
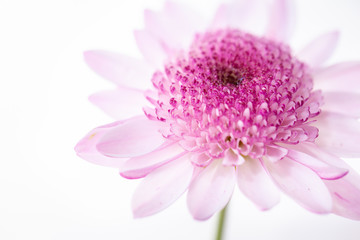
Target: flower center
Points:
(233, 90)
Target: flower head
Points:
(232, 107)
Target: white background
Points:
(47, 192)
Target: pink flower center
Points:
(235, 91)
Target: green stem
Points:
(221, 224)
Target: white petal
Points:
(162, 187)
(319, 50)
(255, 183)
(302, 184)
(121, 70)
(135, 137)
(211, 190)
(339, 134)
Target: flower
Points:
(231, 107)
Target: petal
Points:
(232, 158)
(339, 134)
(319, 50)
(345, 191)
(153, 50)
(121, 70)
(281, 22)
(211, 190)
(175, 25)
(139, 167)
(249, 16)
(116, 102)
(339, 77)
(86, 147)
(302, 184)
(346, 103)
(255, 184)
(323, 170)
(275, 153)
(135, 137)
(162, 187)
(346, 195)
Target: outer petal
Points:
(319, 50)
(86, 147)
(120, 69)
(135, 137)
(281, 22)
(211, 190)
(153, 50)
(345, 191)
(342, 102)
(139, 167)
(175, 26)
(255, 183)
(339, 77)
(323, 170)
(116, 102)
(302, 184)
(162, 187)
(339, 134)
(249, 16)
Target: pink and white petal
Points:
(282, 20)
(115, 103)
(319, 50)
(339, 77)
(346, 195)
(175, 25)
(211, 190)
(152, 48)
(86, 147)
(322, 169)
(275, 153)
(249, 16)
(255, 184)
(119, 69)
(136, 137)
(345, 191)
(162, 187)
(138, 167)
(346, 103)
(339, 134)
(301, 184)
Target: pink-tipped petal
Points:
(116, 102)
(232, 158)
(162, 187)
(135, 137)
(275, 153)
(322, 169)
(175, 25)
(302, 184)
(140, 166)
(346, 195)
(346, 103)
(319, 50)
(153, 50)
(121, 70)
(255, 184)
(281, 22)
(86, 147)
(211, 190)
(339, 77)
(246, 15)
(339, 134)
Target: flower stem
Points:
(221, 224)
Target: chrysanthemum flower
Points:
(229, 108)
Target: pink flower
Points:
(229, 108)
